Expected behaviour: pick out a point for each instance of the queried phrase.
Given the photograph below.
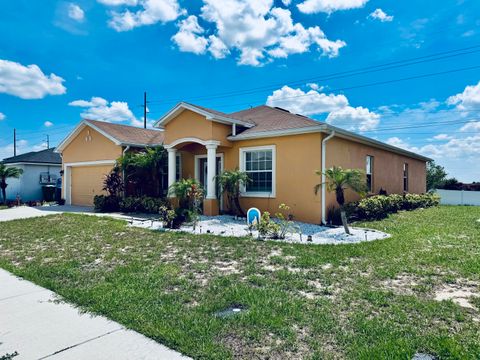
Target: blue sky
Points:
(61, 60)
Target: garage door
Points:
(87, 181)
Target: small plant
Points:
(266, 227)
(9, 356)
(167, 216)
(284, 222)
(231, 182)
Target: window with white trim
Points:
(259, 164)
(405, 177)
(369, 172)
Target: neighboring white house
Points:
(40, 168)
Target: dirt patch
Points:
(460, 293)
(403, 284)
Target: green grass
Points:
(366, 301)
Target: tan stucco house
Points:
(278, 149)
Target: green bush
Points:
(379, 206)
(143, 204)
(106, 203)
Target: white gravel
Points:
(225, 225)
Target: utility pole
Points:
(48, 141)
(14, 142)
(145, 110)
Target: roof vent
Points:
(301, 115)
(281, 109)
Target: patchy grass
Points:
(414, 292)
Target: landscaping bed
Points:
(415, 292)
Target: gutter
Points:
(324, 187)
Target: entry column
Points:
(211, 203)
(172, 167)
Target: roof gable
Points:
(209, 114)
(122, 135)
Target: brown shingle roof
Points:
(219, 113)
(268, 118)
(130, 135)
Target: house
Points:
(40, 168)
(278, 149)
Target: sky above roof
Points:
(403, 72)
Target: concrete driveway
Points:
(24, 212)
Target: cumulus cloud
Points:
(471, 126)
(380, 15)
(256, 29)
(48, 124)
(467, 100)
(189, 38)
(442, 137)
(150, 12)
(28, 82)
(329, 6)
(23, 146)
(2, 116)
(354, 118)
(314, 102)
(98, 108)
(75, 12)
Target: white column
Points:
(172, 166)
(211, 171)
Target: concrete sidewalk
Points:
(37, 327)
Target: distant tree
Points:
(5, 173)
(451, 184)
(436, 175)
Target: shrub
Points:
(266, 227)
(379, 206)
(143, 204)
(106, 203)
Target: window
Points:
(405, 177)
(369, 172)
(178, 167)
(259, 164)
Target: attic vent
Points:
(301, 115)
(281, 109)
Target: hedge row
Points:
(130, 204)
(379, 206)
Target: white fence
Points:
(459, 197)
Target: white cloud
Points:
(48, 124)
(189, 38)
(100, 109)
(314, 102)
(75, 12)
(2, 116)
(329, 6)
(151, 12)
(28, 82)
(469, 99)
(354, 118)
(259, 31)
(442, 137)
(471, 126)
(379, 14)
(286, 2)
(306, 103)
(23, 146)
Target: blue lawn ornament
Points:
(253, 216)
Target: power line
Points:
(344, 74)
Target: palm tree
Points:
(338, 180)
(231, 182)
(5, 173)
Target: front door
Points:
(202, 173)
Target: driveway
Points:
(37, 326)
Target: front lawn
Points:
(376, 300)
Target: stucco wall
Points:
(28, 185)
(190, 124)
(388, 167)
(90, 145)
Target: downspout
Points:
(324, 187)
